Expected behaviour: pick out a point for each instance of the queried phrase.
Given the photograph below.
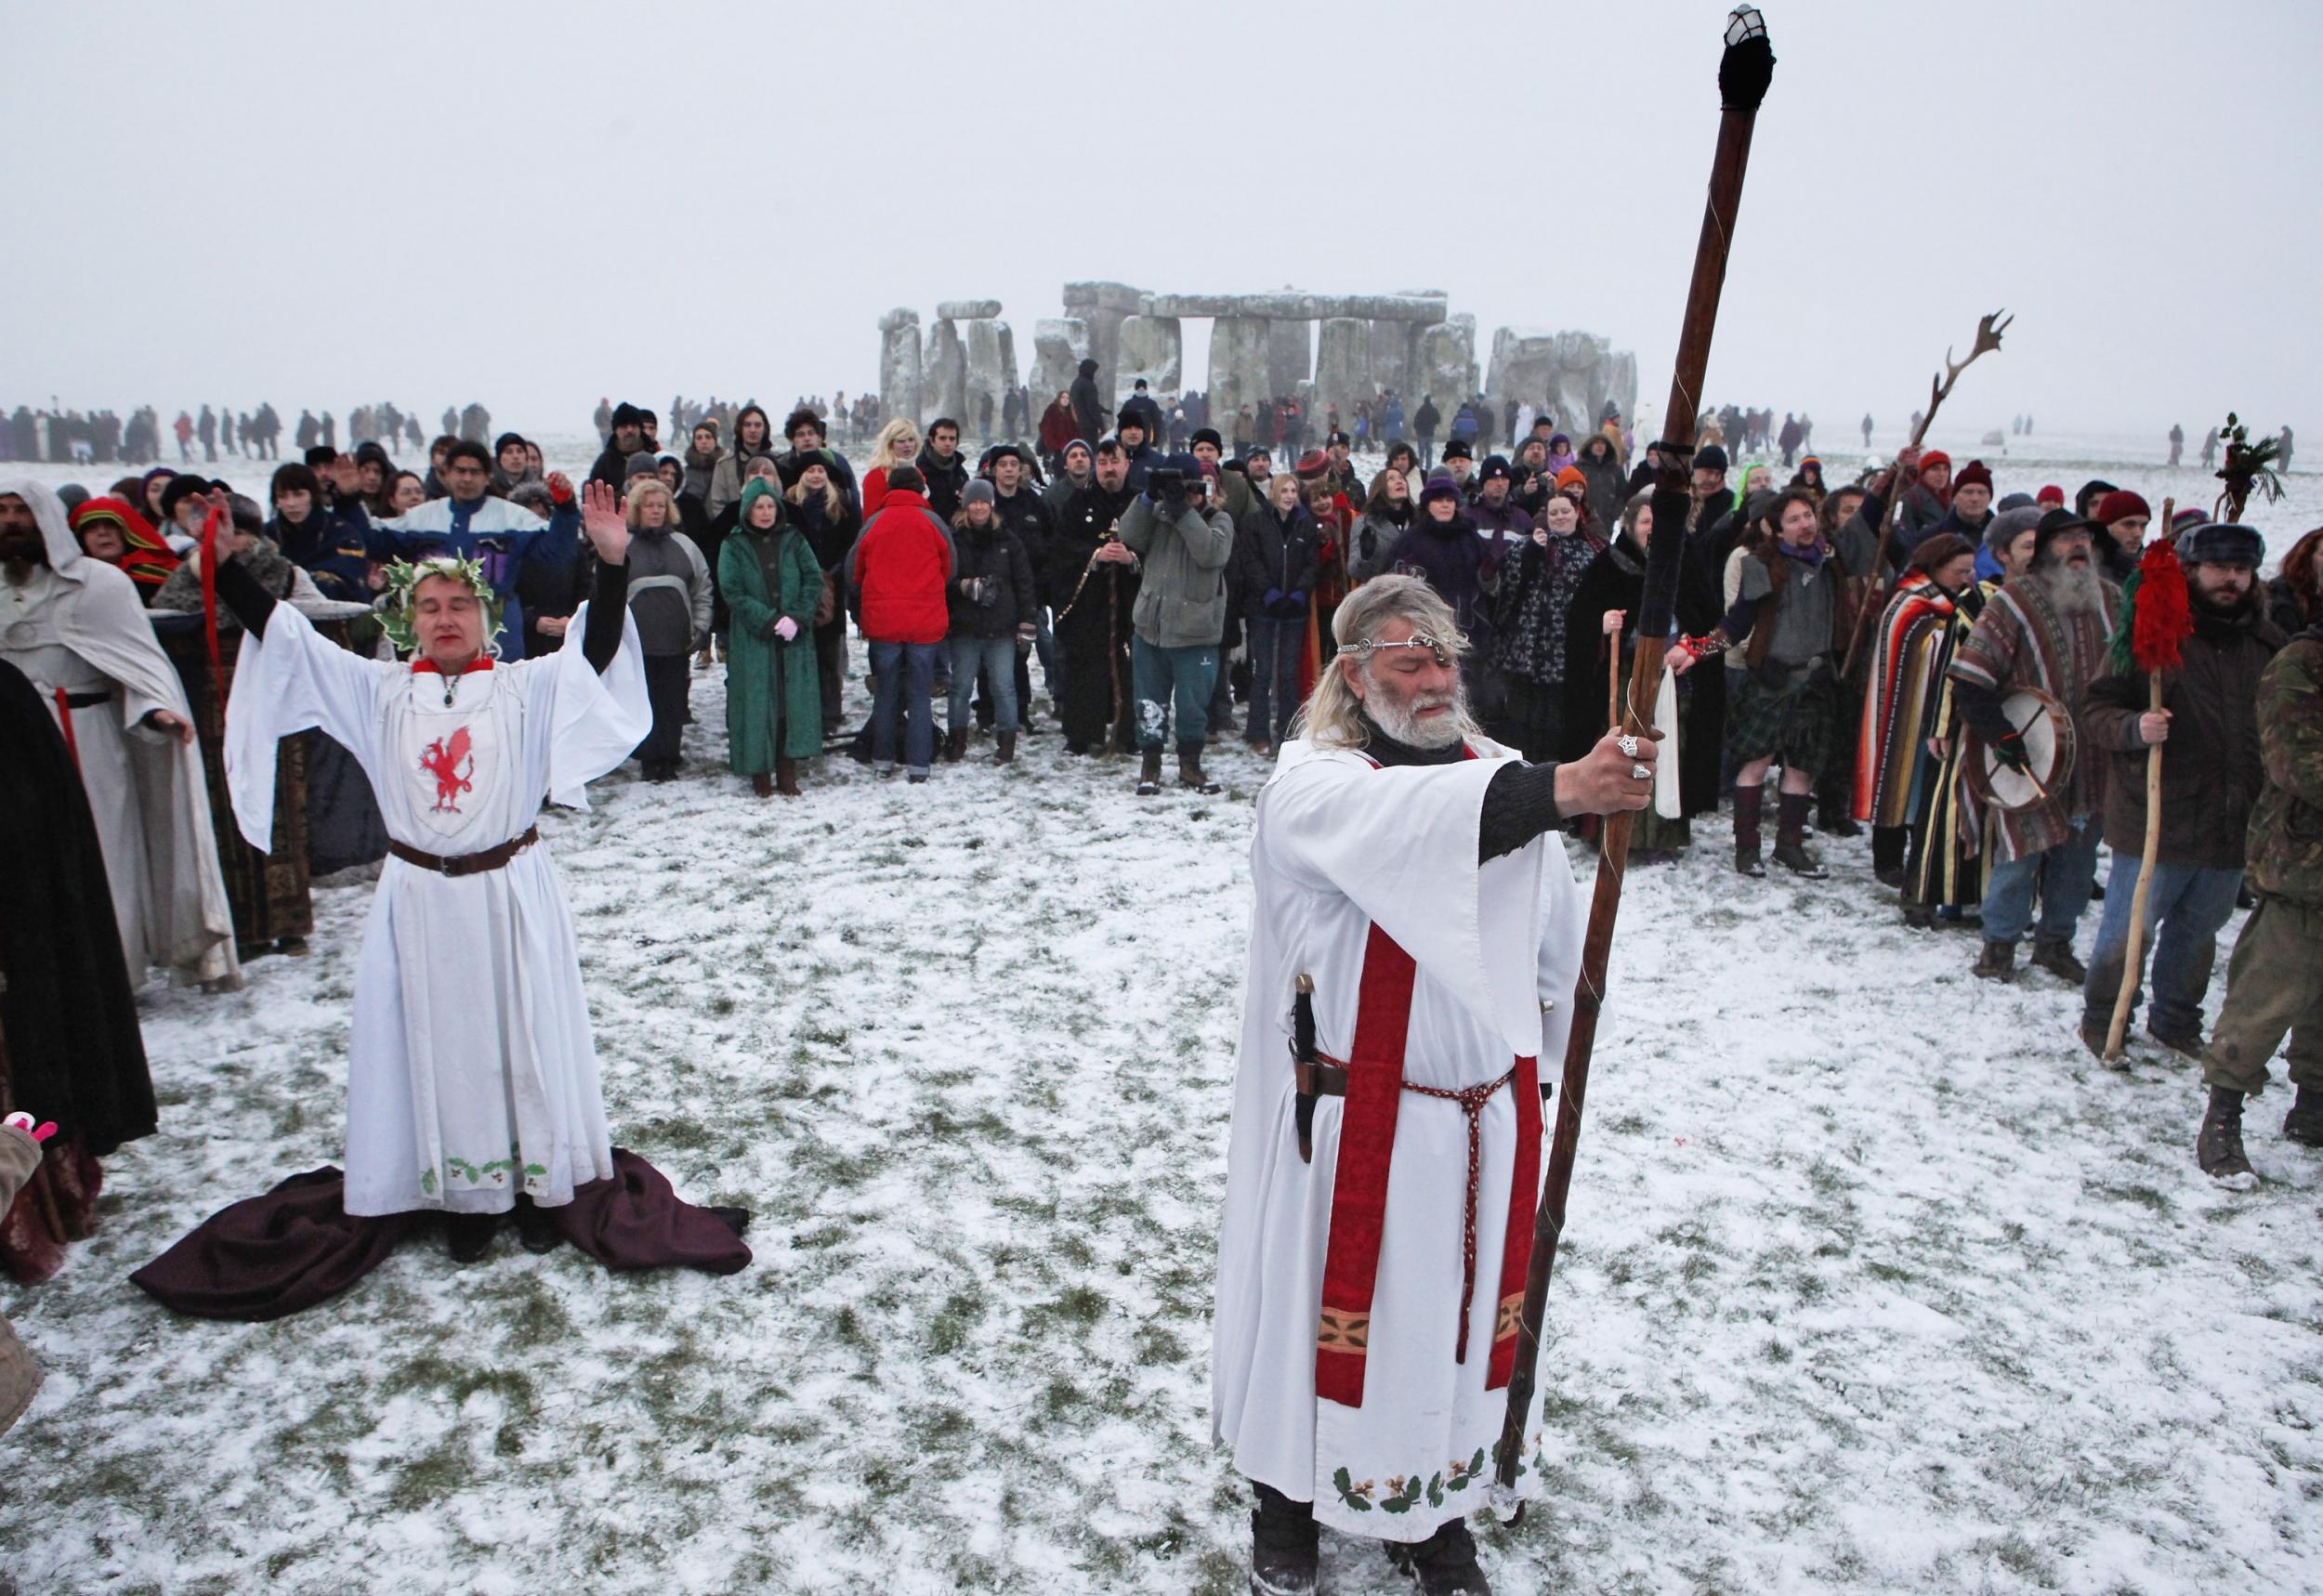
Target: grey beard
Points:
(1402, 723)
(2075, 589)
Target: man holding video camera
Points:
(1180, 615)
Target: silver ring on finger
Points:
(1639, 773)
(1628, 745)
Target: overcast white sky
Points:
(538, 203)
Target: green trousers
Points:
(2274, 989)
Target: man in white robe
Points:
(75, 627)
(472, 1079)
(1411, 870)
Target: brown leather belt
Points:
(466, 864)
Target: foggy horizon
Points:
(538, 206)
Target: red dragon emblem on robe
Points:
(442, 759)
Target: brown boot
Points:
(1791, 837)
(1190, 772)
(1750, 804)
(786, 776)
(955, 744)
(1004, 748)
(1149, 773)
(1998, 961)
(762, 784)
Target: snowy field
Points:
(1873, 1280)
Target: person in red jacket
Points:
(898, 572)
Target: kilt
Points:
(1790, 722)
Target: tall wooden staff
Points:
(1989, 330)
(1744, 73)
(2157, 619)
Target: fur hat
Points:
(2121, 505)
(627, 414)
(2221, 542)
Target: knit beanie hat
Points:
(1973, 474)
(2120, 504)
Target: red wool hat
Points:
(2121, 505)
(1932, 459)
(1972, 475)
(2052, 494)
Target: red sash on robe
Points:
(1358, 1199)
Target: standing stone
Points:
(1620, 385)
(1447, 366)
(900, 383)
(1060, 344)
(1392, 346)
(1152, 347)
(968, 309)
(1238, 368)
(1290, 356)
(986, 376)
(947, 379)
(1342, 367)
(1523, 368)
(1104, 305)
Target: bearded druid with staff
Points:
(473, 1086)
(1413, 960)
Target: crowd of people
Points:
(1913, 658)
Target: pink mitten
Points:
(23, 1122)
(786, 629)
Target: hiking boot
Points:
(786, 776)
(1283, 1558)
(2188, 1040)
(536, 1226)
(1443, 1564)
(1189, 773)
(762, 784)
(2057, 958)
(955, 744)
(1998, 961)
(2219, 1144)
(1004, 748)
(1831, 822)
(2095, 1029)
(1746, 860)
(1794, 857)
(2304, 1124)
(468, 1236)
(1149, 773)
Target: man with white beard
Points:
(2047, 629)
(76, 629)
(1414, 947)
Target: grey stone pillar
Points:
(900, 379)
(1238, 368)
(1343, 369)
(1060, 344)
(947, 372)
(1289, 355)
(1152, 347)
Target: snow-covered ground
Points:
(1873, 1280)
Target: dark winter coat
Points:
(996, 558)
(1089, 412)
(2286, 836)
(1275, 554)
(330, 546)
(773, 690)
(1027, 514)
(1426, 419)
(1457, 564)
(946, 479)
(2212, 774)
(1616, 580)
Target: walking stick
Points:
(1989, 330)
(1744, 73)
(1613, 681)
(2156, 622)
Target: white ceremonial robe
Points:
(471, 1071)
(1343, 845)
(77, 627)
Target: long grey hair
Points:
(1332, 716)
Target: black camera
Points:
(1165, 482)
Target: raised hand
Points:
(602, 520)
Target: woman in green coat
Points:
(773, 695)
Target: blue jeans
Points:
(905, 672)
(2064, 875)
(1274, 677)
(996, 657)
(1186, 674)
(2190, 906)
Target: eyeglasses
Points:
(1417, 640)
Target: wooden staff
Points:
(2154, 659)
(1989, 330)
(1744, 73)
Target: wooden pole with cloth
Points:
(1744, 73)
